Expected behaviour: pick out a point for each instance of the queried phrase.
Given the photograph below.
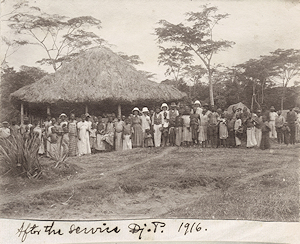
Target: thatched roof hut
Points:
(97, 76)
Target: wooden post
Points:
(86, 109)
(48, 110)
(22, 113)
(119, 110)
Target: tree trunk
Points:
(211, 91)
(22, 113)
(48, 110)
(119, 110)
(86, 109)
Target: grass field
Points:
(162, 183)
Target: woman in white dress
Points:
(83, 128)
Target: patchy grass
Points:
(162, 182)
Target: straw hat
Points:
(63, 115)
(5, 123)
(145, 110)
(272, 108)
(136, 109)
(205, 105)
(197, 102)
(164, 105)
(173, 104)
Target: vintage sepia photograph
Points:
(127, 109)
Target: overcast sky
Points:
(257, 27)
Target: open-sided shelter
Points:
(97, 80)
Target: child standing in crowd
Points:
(157, 126)
(173, 113)
(148, 138)
(223, 131)
(165, 123)
(286, 131)
(186, 131)
(127, 131)
(265, 134)
(178, 128)
(72, 136)
(202, 137)
(119, 126)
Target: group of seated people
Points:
(174, 125)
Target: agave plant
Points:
(57, 154)
(21, 155)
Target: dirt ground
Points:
(161, 183)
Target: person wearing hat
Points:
(173, 113)
(5, 131)
(146, 122)
(165, 123)
(272, 117)
(157, 126)
(197, 107)
(83, 128)
(137, 131)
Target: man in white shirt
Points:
(272, 115)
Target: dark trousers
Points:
(279, 135)
(231, 138)
(293, 132)
(195, 133)
(172, 136)
(213, 135)
(265, 143)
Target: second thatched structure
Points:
(98, 79)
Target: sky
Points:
(257, 27)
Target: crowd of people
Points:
(175, 125)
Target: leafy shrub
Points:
(21, 155)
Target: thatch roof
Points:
(96, 75)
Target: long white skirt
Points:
(127, 142)
(251, 140)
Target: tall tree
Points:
(176, 59)
(285, 67)
(60, 37)
(11, 81)
(196, 36)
